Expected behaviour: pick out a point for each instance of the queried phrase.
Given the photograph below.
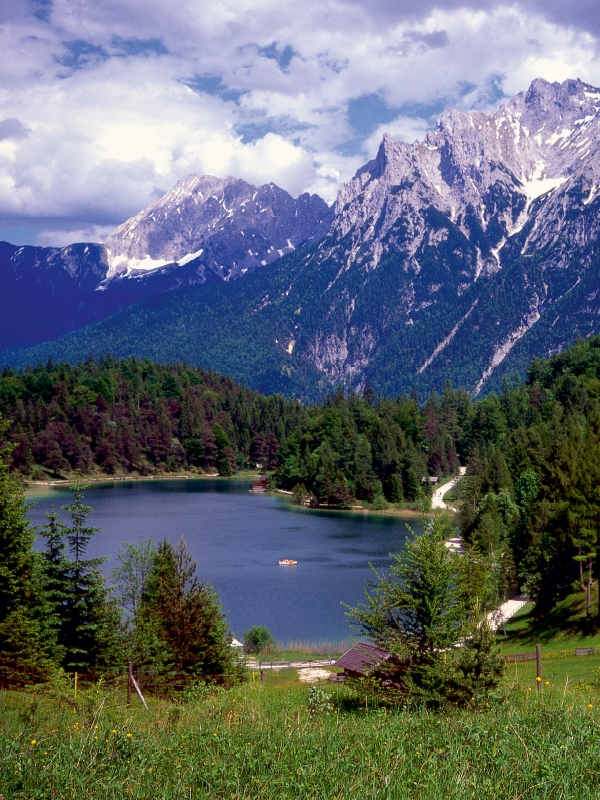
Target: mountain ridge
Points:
(457, 257)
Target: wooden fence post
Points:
(139, 691)
(262, 676)
(129, 682)
(538, 663)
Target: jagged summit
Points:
(225, 225)
(487, 166)
(480, 191)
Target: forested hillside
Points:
(139, 417)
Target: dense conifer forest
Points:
(139, 417)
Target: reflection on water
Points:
(237, 539)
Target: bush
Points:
(320, 701)
(258, 638)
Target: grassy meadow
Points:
(260, 740)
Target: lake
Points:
(237, 539)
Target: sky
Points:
(106, 104)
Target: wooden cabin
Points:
(260, 485)
(359, 659)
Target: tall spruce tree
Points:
(16, 536)
(89, 637)
(185, 615)
(24, 611)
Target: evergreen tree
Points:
(16, 536)
(185, 616)
(25, 635)
(89, 636)
(417, 613)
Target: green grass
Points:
(566, 627)
(259, 741)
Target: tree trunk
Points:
(588, 599)
(597, 563)
(581, 581)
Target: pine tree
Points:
(89, 632)
(24, 612)
(185, 615)
(16, 536)
(418, 613)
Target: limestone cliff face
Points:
(482, 171)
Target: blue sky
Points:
(105, 105)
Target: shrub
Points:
(258, 638)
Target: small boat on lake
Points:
(287, 562)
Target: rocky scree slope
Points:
(457, 257)
(203, 230)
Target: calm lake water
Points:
(237, 539)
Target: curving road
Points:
(437, 498)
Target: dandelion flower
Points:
(113, 731)
(547, 683)
(538, 679)
(129, 735)
(34, 741)
(590, 705)
(529, 688)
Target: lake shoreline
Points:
(33, 487)
(390, 512)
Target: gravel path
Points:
(506, 611)
(437, 499)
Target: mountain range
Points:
(458, 257)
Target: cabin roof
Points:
(360, 657)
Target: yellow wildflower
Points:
(590, 705)
(34, 741)
(538, 679)
(129, 735)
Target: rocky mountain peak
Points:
(224, 225)
(482, 166)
